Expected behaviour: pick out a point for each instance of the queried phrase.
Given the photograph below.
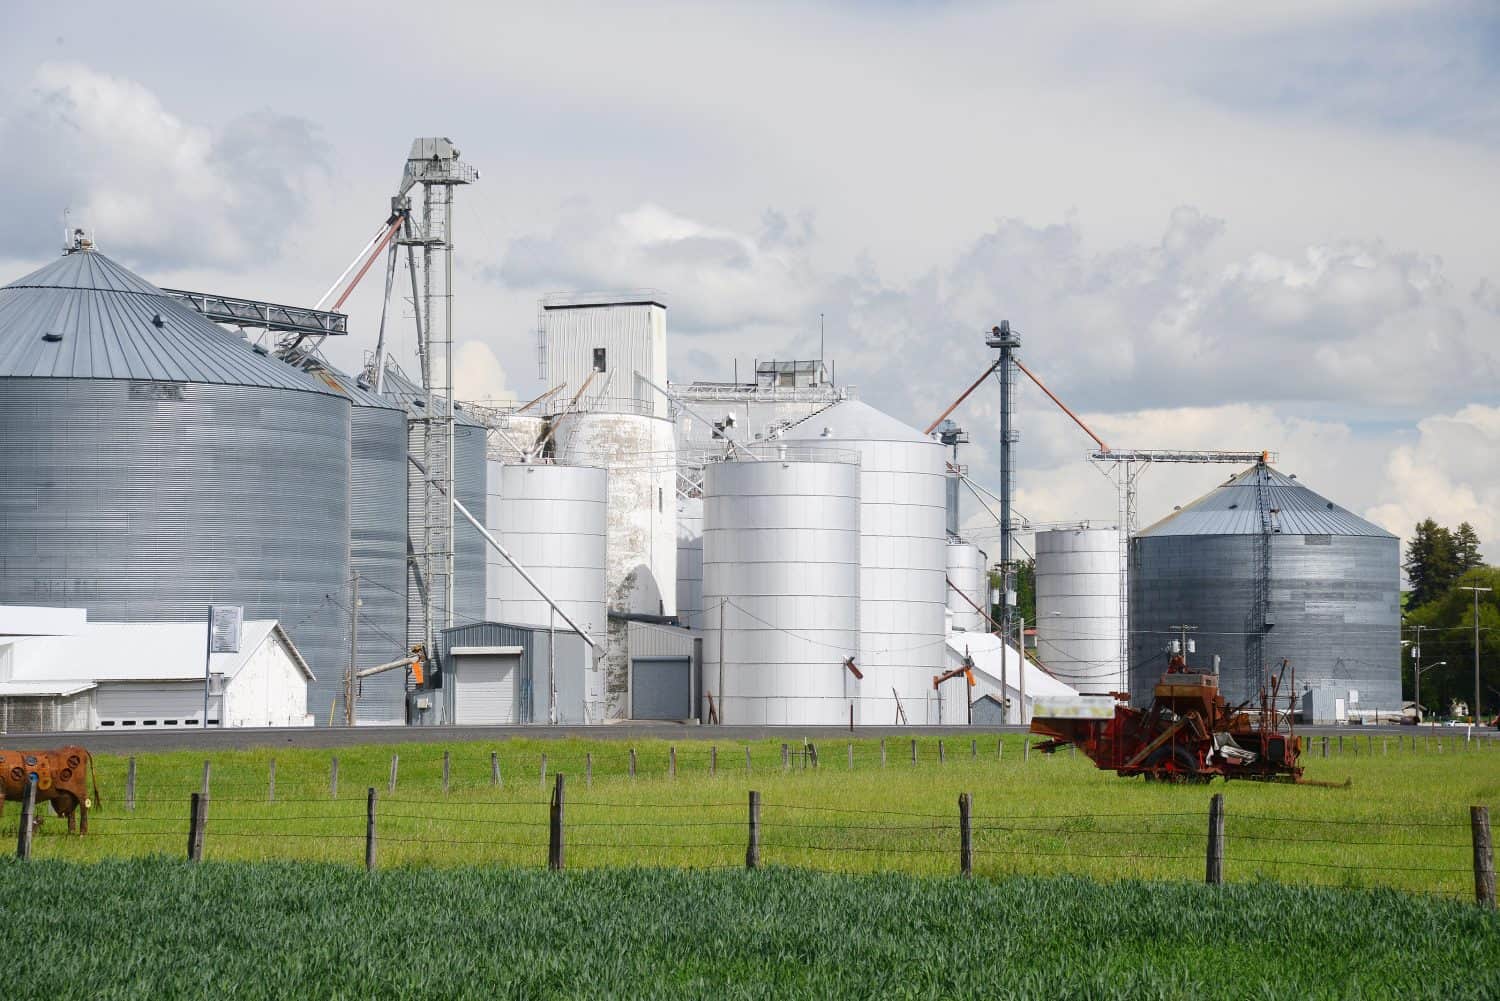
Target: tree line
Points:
(1439, 618)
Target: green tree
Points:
(1448, 637)
(1431, 566)
(1466, 548)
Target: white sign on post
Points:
(224, 627)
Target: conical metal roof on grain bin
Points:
(85, 317)
(1230, 509)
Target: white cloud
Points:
(1448, 474)
(149, 184)
(478, 374)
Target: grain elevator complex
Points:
(776, 551)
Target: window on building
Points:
(598, 359)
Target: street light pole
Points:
(1416, 676)
(1474, 712)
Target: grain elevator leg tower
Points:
(434, 164)
(1005, 339)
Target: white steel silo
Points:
(903, 560)
(781, 547)
(690, 561)
(966, 580)
(1078, 607)
(552, 520)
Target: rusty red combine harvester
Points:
(1189, 733)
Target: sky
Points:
(1214, 224)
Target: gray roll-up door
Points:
(661, 688)
(484, 688)
(163, 703)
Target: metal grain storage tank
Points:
(1078, 607)
(1331, 605)
(469, 480)
(781, 549)
(690, 561)
(377, 549)
(552, 520)
(903, 558)
(155, 464)
(966, 571)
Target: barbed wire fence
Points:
(560, 824)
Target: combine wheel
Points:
(1176, 765)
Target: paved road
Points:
(118, 742)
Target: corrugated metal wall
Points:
(634, 340)
(469, 546)
(377, 551)
(149, 501)
(1335, 602)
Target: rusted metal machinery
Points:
(1189, 733)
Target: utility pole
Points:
(723, 604)
(349, 679)
(1416, 652)
(1474, 710)
(1021, 646)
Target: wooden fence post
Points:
(882, 752)
(390, 786)
(672, 761)
(812, 750)
(914, 750)
(28, 820)
(713, 760)
(1025, 749)
(786, 761)
(195, 828)
(271, 782)
(543, 783)
(495, 779)
(206, 766)
(130, 784)
(1484, 857)
(632, 762)
(965, 835)
(974, 749)
(747, 760)
(555, 827)
(588, 769)
(370, 829)
(851, 757)
(1341, 743)
(446, 763)
(1325, 745)
(942, 757)
(1214, 874)
(333, 778)
(752, 847)
(999, 748)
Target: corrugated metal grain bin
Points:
(154, 464)
(1332, 604)
(377, 549)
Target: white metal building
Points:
(999, 674)
(150, 675)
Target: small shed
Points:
(665, 671)
(502, 674)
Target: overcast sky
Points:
(1215, 224)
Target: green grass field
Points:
(162, 928)
(1404, 823)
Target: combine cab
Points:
(1189, 734)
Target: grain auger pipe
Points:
(505, 555)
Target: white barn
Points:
(150, 675)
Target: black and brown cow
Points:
(60, 779)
